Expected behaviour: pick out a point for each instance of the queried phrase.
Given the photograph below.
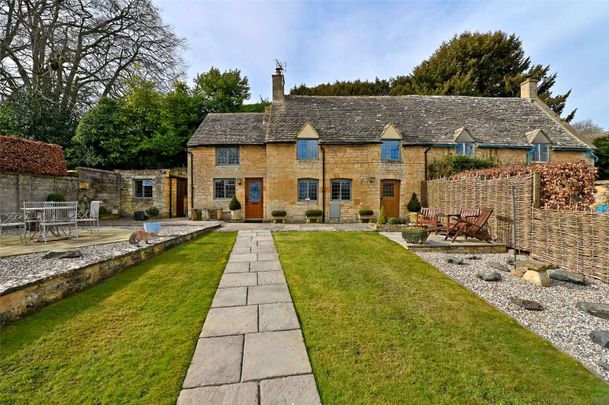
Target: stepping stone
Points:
(216, 361)
(264, 249)
(489, 276)
(238, 280)
(271, 265)
(240, 267)
(498, 266)
(242, 394)
(231, 321)
(600, 337)
(297, 390)
(274, 354)
(454, 260)
(242, 250)
(527, 304)
(242, 257)
(567, 276)
(600, 310)
(230, 297)
(264, 257)
(62, 254)
(539, 278)
(271, 277)
(268, 294)
(274, 317)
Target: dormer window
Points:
(307, 149)
(390, 150)
(541, 153)
(466, 149)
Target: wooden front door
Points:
(181, 196)
(390, 197)
(253, 199)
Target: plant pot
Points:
(236, 215)
(365, 218)
(415, 234)
(279, 220)
(413, 217)
(313, 220)
(152, 227)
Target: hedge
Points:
(565, 186)
(25, 156)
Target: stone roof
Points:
(229, 129)
(499, 121)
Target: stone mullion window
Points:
(308, 189)
(224, 188)
(227, 155)
(340, 189)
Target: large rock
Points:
(62, 254)
(600, 337)
(539, 278)
(518, 272)
(562, 275)
(604, 363)
(498, 266)
(489, 276)
(600, 310)
(474, 257)
(527, 304)
(534, 265)
(454, 260)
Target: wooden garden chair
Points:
(465, 214)
(429, 216)
(472, 228)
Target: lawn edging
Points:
(28, 298)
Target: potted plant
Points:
(279, 216)
(152, 227)
(415, 234)
(313, 215)
(235, 209)
(414, 206)
(365, 215)
(56, 197)
(103, 213)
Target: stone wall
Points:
(602, 192)
(100, 185)
(15, 188)
(130, 203)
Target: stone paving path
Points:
(251, 349)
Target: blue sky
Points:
(324, 41)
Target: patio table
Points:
(58, 218)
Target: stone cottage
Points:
(343, 154)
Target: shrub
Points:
(56, 197)
(312, 213)
(602, 152)
(366, 213)
(414, 205)
(234, 204)
(152, 212)
(25, 156)
(382, 216)
(279, 213)
(103, 210)
(452, 164)
(393, 221)
(415, 234)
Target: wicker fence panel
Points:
(576, 240)
(452, 195)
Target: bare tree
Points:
(71, 52)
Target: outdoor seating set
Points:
(38, 219)
(469, 223)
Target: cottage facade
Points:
(343, 154)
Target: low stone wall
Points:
(28, 298)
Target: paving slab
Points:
(240, 267)
(274, 354)
(232, 394)
(268, 294)
(265, 243)
(230, 297)
(275, 317)
(263, 249)
(296, 390)
(216, 360)
(243, 257)
(243, 250)
(238, 280)
(270, 265)
(262, 257)
(230, 321)
(271, 277)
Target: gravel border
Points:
(561, 322)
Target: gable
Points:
(390, 132)
(308, 132)
(462, 135)
(537, 136)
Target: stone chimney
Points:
(528, 89)
(278, 83)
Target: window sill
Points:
(310, 202)
(391, 161)
(233, 165)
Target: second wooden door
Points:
(390, 197)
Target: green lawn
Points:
(382, 326)
(127, 340)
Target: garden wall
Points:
(100, 185)
(18, 187)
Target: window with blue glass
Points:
(541, 153)
(466, 149)
(307, 149)
(390, 150)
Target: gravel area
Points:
(23, 269)
(561, 322)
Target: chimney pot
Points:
(528, 89)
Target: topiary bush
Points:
(382, 219)
(366, 213)
(279, 213)
(414, 205)
(152, 212)
(234, 204)
(103, 210)
(56, 197)
(415, 234)
(313, 213)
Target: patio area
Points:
(437, 243)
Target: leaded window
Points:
(541, 153)
(224, 188)
(340, 189)
(390, 150)
(227, 155)
(307, 189)
(307, 149)
(466, 149)
(143, 188)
